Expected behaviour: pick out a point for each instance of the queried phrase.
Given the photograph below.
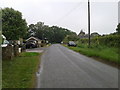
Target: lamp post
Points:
(89, 23)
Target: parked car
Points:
(71, 43)
(31, 44)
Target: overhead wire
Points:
(68, 13)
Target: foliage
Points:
(72, 37)
(53, 34)
(20, 72)
(108, 40)
(118, 28)
(13, 26)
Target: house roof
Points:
(33, 38)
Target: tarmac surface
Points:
(63, 68)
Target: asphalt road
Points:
(64, 68)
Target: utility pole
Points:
(89, 23)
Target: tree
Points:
(53, 34)
(13, 26)
(118, 28)
(118, 32)
(72, 37)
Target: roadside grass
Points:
(106, 53)
(20, 72)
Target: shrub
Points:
(108, 40)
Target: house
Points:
(35, 40)
(95, 34)
(4, 41)
(82, 35)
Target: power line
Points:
(68, 13)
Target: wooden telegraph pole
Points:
(89, 23)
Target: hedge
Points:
(108, 40)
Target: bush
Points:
(109, 40)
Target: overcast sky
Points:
(69, 14)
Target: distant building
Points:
(94, 34)
(86, 36)
(32, 38)
(4, 41)
(3, 37)
(35, 40)
(81, 34)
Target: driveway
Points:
(39, 50)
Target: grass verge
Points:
(20, 72)
(104, 53)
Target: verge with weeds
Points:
(103, 52)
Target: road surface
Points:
(64, 68)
